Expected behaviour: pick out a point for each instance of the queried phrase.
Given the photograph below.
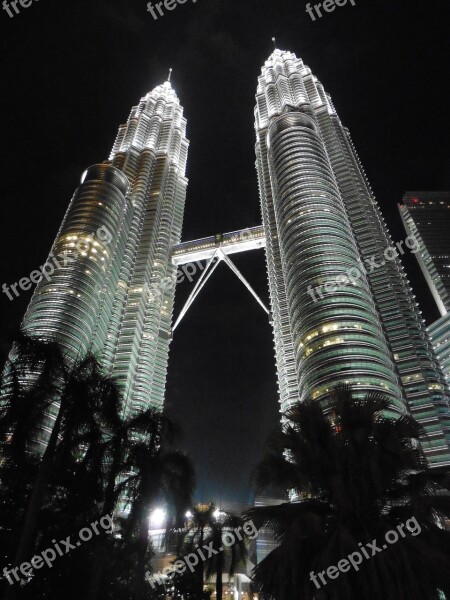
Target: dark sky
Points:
(71, 72)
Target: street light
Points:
(157, 518)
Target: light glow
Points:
(157, 518)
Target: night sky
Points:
(71, 73)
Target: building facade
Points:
(111, 291)
(440, 338)
(426, 216)
(343, 309)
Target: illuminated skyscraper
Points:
(426, 216)
(322, 223)
(112, 289)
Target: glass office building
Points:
(426, 216)
(343, 309)
(440, 338)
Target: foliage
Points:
(355, 471)
(94, 464)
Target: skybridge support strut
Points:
(198, 287)
(211, 266)
(245, 282)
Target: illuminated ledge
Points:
(230, 243)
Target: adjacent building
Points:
(440, 338)
(426, 216)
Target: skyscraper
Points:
(111, 291)
(426, 215)
(323, 224)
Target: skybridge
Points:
(214, 250)
(252, 238)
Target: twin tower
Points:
(342, 309)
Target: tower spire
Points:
(274, 40)
(170, 75)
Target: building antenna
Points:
(170, 75)
(274, 40)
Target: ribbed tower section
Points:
(151, 149)
(421, 377)
(309, 243)
(113, 292)
(72, 304)
(322, 223)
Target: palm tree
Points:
(156, 473)
(355, 471)
(140, 471)
(210, 527)
(86, 404)
(90, 449)
(228, 556)
(200, 523)
(22, 406)
(34, 374)
(114, 456)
